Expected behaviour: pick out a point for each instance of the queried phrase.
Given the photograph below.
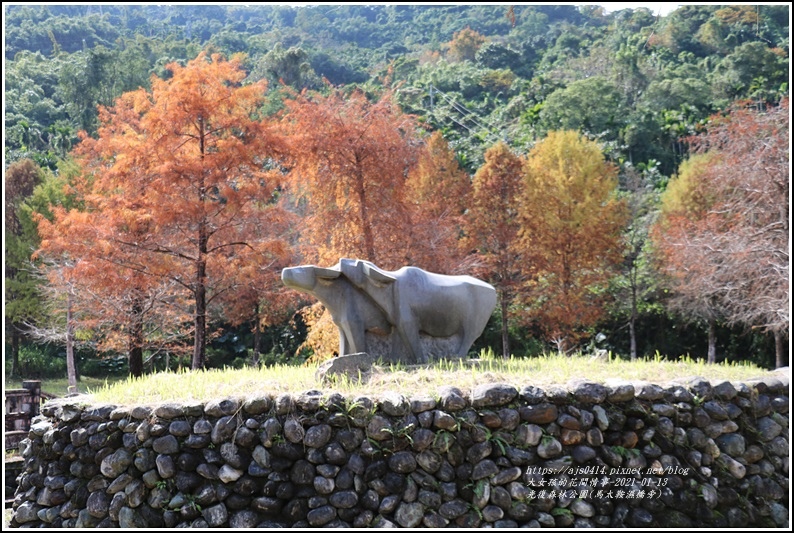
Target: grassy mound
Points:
(543, 372)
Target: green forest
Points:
(621, 178)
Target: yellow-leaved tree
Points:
(571, 223)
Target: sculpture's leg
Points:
(409, 333)
(465, 343)
(397, 349)
(344, 344)
(356, 338)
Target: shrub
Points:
(41, 361)
(113, 365)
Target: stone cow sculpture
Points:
(408, 304)
(415, 301)
(352, 311)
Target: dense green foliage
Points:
(636, 83)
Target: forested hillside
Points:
(622, 178)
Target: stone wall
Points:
(690, 454)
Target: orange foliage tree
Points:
(350, 161)
(65, 310)
(437, 192)
(180, 185)
(492, 226)
(571, 223)
(258, 296)
(108, 294)
(367, 187)
(116, 308)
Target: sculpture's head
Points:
(304, 278)
(360, 272)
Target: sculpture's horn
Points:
(376, 274)
(326, 273)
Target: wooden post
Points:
(34, 389)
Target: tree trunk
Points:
(199, 337)
(255, 359)
(366, 226)
(632, 321)
(200, 292)
(77, 376)
(505, 329)
(14, 350)
(136, 360)
(135, 340)
(561, 344)
(71, 372)
(633, 340)
(780, 350)
(712, 353)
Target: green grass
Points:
(60, 386)
(427, 379)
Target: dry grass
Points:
(543, 372)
